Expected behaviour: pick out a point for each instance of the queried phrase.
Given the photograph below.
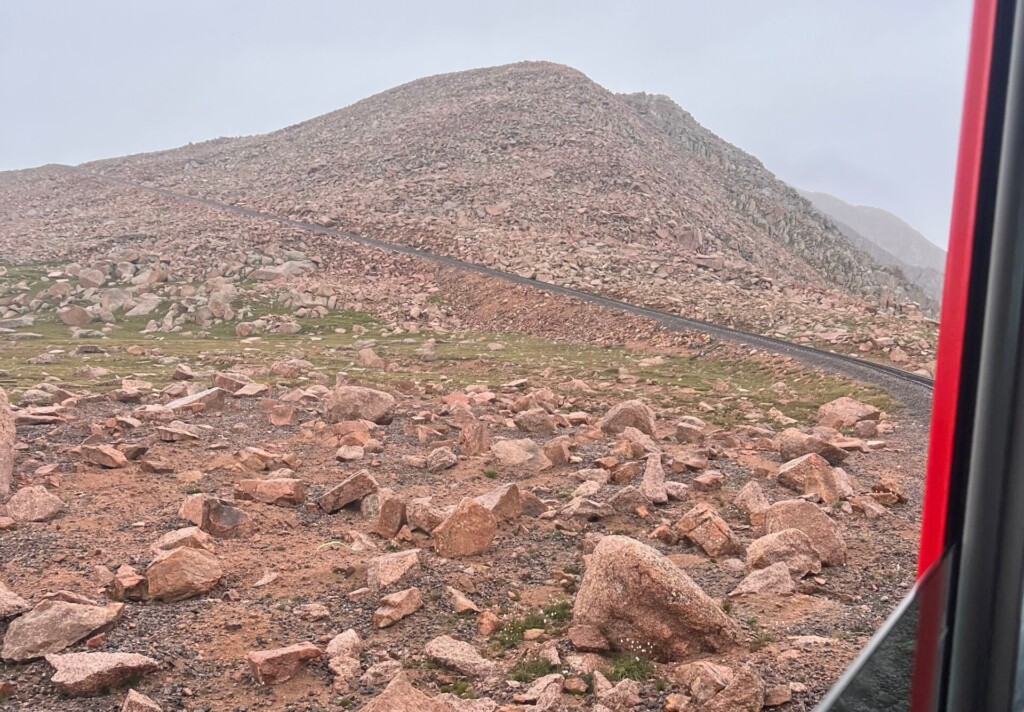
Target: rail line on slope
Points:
(911, 386)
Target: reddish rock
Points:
(459, 656)
(348, 491)
(788, 546)
(11, 604)
(587, 639)
(7, 442)
(397, 606)
(706, 529)
(653, 484)
(284, 415)
(212, 399)
(81, 674)
(401, 696)
(795, 473)
(745, 694)
(34, 504)
(703, 679)
(821, 530)
(474, 439)
(391, 515)
(631, 413)
(75, 316)
(386, 571)
(281, 491)
(192, 537)
(137, 702)
(216, 516)
(358, 403)
(272, 667)
(773, 579)
(54, 625)
(793, 444)
(640, 601)
(503, 502)
(182, 573)
(467, 531)
(846, 411)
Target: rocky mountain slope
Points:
(888, 239)
(535, 169)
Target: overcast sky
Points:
(859, 98)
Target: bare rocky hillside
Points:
(533, 168)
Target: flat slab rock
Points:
(271, 667)
(53, 626)
(81, 674)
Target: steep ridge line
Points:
(913, 389)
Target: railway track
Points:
(912, 389)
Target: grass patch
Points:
(460, 688)
(529, 669)
(629, 666)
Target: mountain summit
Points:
(534, 168)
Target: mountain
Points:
(888, 239)
(534, 168)
(529, 168)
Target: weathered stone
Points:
(703, 679)
(459, 656)
(347, 644)
(128, 585)
(34, 504)
(401, 696)
(795, 473)
(272, 667)
(81, 674)
(389, 512)
(793, 444)
(752, 500)
(467, 531)
(745, 694)
(536, 421)
(588, 639)
(75, 316)
(54, 625)
(182, 573)
(846, 411)
(383, 572)
(788, 546)
(210, 400)
(440, 459)
(137, 702)
(397, 606)
(773, 579)
(192, 537)
(11, 604)
(216, 516)
(423, 514)
(460, 601)
(821, 529)
(653, 484)
(503, 502)
(642, 602)
(706, 529)
(358, 403)
(631, 413)
(348, 491)
(474, 439)
(7, 442)
(281, 491)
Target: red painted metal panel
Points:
(954, 297)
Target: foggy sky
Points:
(859, 98)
